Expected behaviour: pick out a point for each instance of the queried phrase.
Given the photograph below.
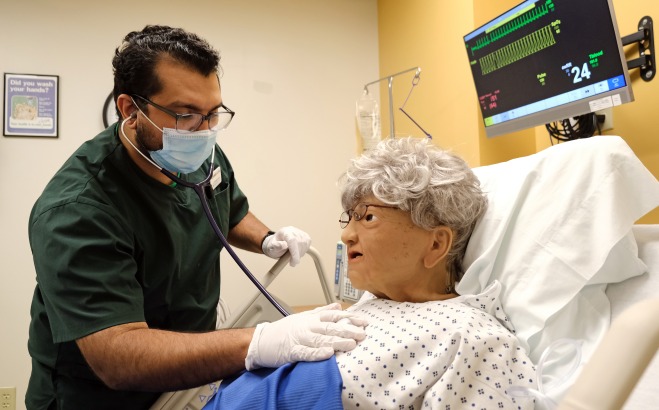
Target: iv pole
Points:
(390, 79)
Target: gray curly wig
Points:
(435, 186)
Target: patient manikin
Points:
(410, 209)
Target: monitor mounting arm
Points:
(645, 39)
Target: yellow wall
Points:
(636, 122)
(424, 33)
(428, 34)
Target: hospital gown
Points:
(448, 355)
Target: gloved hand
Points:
(308, 336)
(297, 242)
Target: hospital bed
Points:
(595, 189)
(628, 351)
(640, 322)
(257, 309)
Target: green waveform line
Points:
(501, 31)
(524, 47)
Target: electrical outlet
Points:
(7, 398)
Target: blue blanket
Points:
(304, 385)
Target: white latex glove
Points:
(290, 239)
(308, 336)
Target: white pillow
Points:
(556, 231)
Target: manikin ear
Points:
(441, 242)
(127, 107)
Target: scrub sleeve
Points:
(113, 246)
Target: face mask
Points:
(183, 152)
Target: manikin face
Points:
(184, 91)
(387, 255)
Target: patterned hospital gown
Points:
(447, 355)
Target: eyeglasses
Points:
(217, 120)
(358, 213)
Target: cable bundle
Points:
(582, 126)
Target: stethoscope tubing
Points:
(199, 188)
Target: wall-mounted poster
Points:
(31, 105)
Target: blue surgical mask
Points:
(183, 152)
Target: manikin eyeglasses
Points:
(358, 213)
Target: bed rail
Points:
(196, 398)
(618, 362)
(246, 315)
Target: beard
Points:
(148, 139)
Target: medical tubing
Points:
(415, 123)
(199, 190)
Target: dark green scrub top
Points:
(113, 246)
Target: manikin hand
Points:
(290, 239)
(308, 336)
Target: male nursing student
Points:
(127, 264)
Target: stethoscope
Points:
(204, 190)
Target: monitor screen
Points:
(547, 60)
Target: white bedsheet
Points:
(555, 234)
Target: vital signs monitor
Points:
(547, 60)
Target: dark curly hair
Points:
(135, 59)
